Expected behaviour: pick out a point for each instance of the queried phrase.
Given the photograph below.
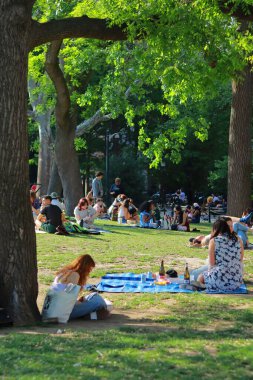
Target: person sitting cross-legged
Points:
(50, 218)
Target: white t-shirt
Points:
(84, 214)
(56, 202)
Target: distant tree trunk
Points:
(240, 147)
(55, 180)
(44, 163)
(18, 267)
(65, 154)
(68, 167)
(45, 135)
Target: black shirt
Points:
(53, 215)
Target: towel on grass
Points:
(132, 283)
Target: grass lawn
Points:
(149, 336)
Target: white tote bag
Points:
(59, 303)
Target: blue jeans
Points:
(241, 231)
(93, 302)
(198, 271)
(246, 219)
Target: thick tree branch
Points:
(88, 124)
(74, 27)
(98, 117)
(55, 73)
(237, 11)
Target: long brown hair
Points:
(81, 265)
(221, 227)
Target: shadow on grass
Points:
(139, 230)
(126, 352)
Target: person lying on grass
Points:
(242, 225)
(225, 259)
(200, 241)
(77, 273)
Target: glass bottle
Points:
(186, 274)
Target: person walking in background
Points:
(116, 189)
(97, 186)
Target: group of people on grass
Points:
(49, 215)
(224, 271)
(226, 242)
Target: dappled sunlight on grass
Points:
(161, 336)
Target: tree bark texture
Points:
(18, 267)
(65, 154)
(55, 180)
(75, 27)
(240, 146)
(19, 34)
(45, 136)
(45, 152)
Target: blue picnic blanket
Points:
(241, 290)
(132, 283)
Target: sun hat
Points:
(54, 195)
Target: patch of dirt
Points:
(212, 351)
(140, 318)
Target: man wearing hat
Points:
(55, 201)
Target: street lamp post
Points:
(108, 138)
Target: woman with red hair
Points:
(84, 213)
(77, 272)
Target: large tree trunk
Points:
(18, 267)
(65, 154)
(55, 184)
(68, 167)
(240, 149)
(19, 34)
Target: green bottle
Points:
(186, 274)
(162, 270)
